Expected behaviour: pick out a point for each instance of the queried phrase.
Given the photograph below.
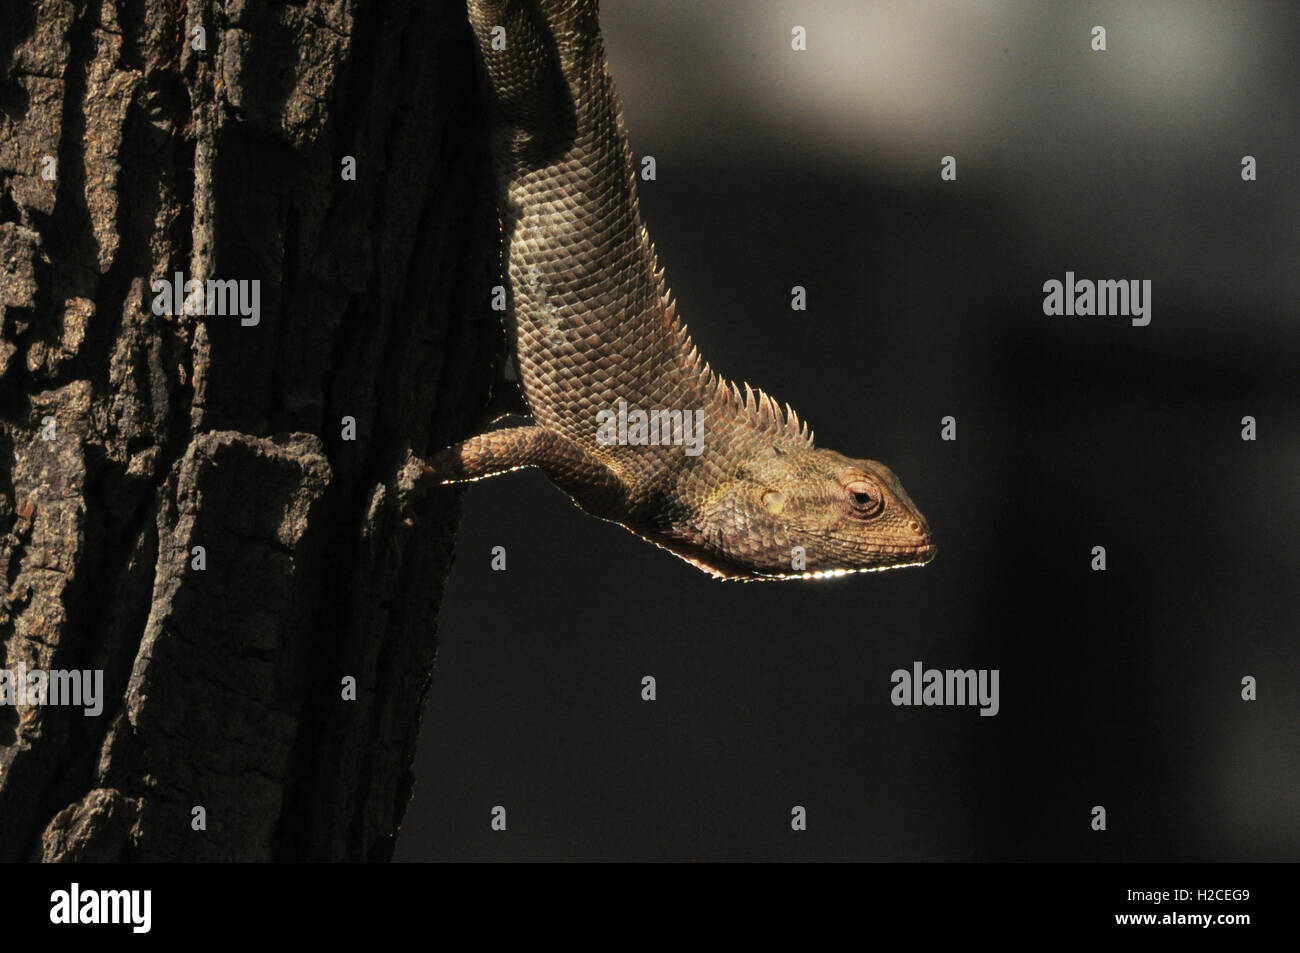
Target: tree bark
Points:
(209, 138)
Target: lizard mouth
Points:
(914, 554)
(899, 557)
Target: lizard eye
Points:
(864, 499)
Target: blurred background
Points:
(1120, 689)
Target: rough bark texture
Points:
(127, 439)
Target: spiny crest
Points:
(765, 413)
(760, 410)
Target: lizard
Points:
(594, 328)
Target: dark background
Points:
(1119, 689)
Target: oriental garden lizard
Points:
(597, 339)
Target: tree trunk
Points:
(184, 504)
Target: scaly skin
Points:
(593, 325)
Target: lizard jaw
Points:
(924, 555)
(832, 573)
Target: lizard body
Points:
(594, 326)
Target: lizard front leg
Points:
(586, 479)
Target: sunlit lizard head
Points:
(798, 513)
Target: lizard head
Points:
(799, 512)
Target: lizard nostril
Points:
(914, 526)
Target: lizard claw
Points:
(413, 479)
